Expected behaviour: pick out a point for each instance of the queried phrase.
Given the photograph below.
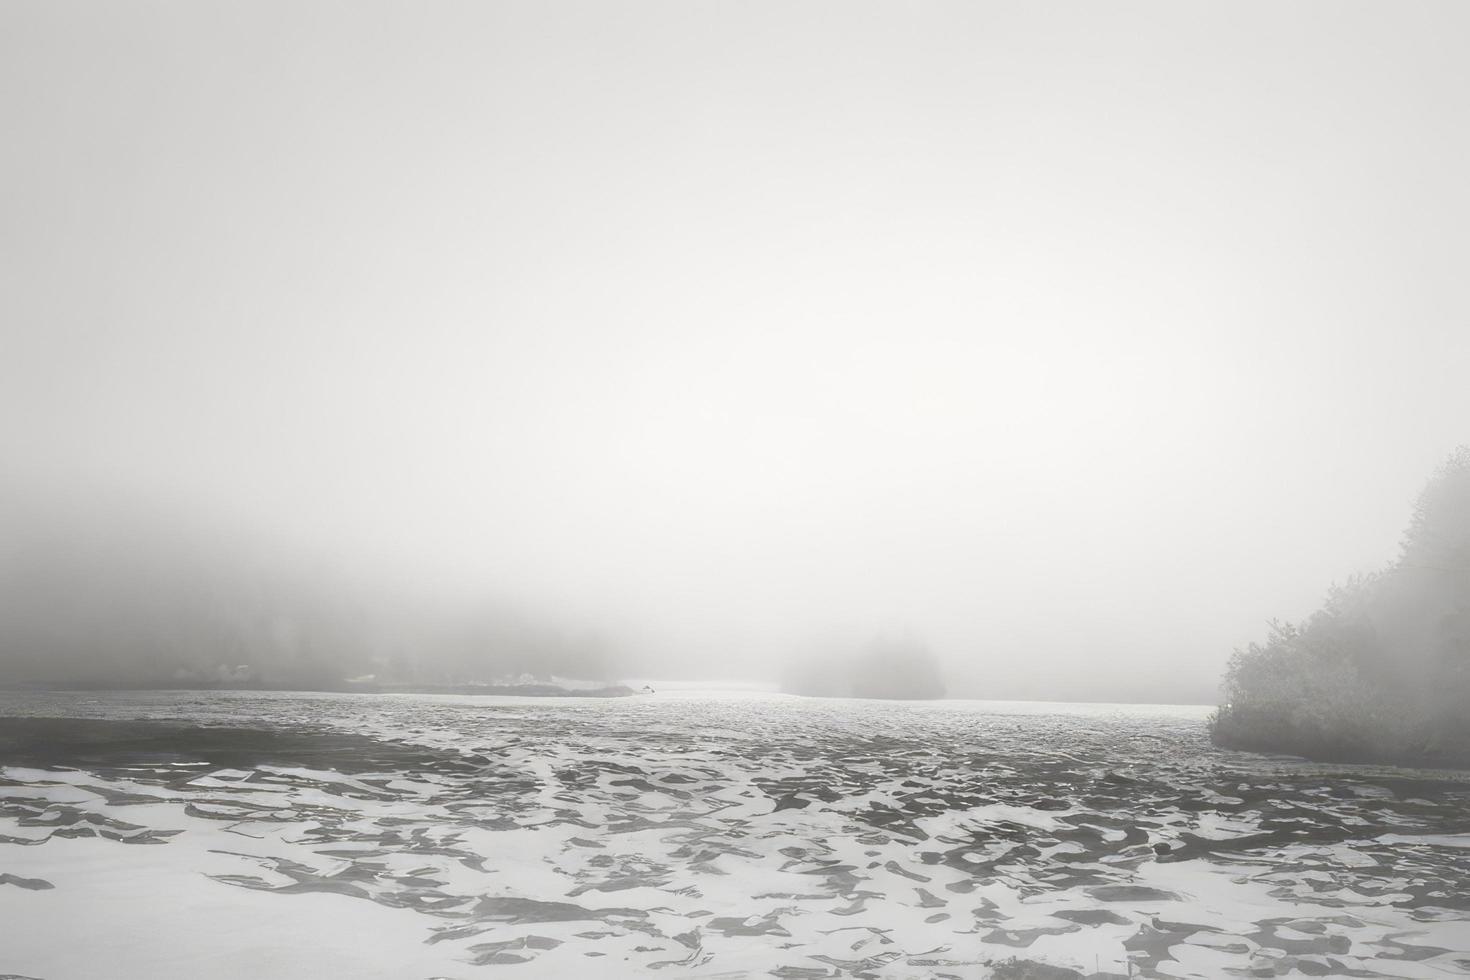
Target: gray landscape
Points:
(721, 490)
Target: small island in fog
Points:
(900, 667)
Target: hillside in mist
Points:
(129, 597)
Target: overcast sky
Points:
(1081, 338)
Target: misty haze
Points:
(800, 490)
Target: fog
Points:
(1079, 340)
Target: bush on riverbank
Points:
(1382, 672)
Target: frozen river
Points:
(702, 835)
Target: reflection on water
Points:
(751, 834)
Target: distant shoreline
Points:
(485, 690)
(629, 689)
(497, 690)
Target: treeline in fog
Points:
(1382, 671)
(131, 599)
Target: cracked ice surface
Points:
(711, 836)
